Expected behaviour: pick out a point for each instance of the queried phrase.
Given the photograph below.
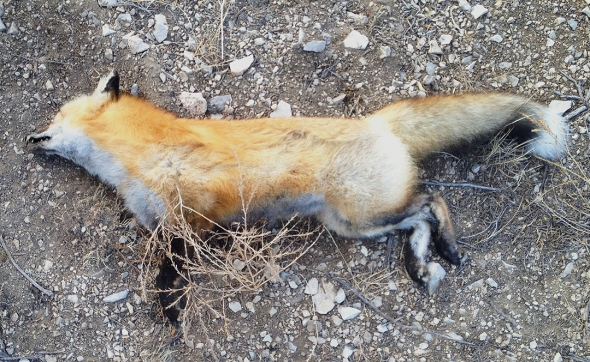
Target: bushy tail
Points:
(436, 123)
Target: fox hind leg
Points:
(445, 240)
(429, 221)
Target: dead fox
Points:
(356, 176)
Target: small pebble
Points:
(497, 38)
(235, 306)
(316, 46)
(478, 10)
(115, 297)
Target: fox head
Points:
(63, 136)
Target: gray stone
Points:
(478, 10)
(161, 28)
(137, 45)
(235, 306)
(348, 313)
(465, 5)
(356, 40)
(239, 66)
(194, 103)
(567, 270)
(123, 19)
(497, 38)
(115, 297)
(428, 79)
(340, 296)
(316, 46)
(312, 287)
(491, 282)
(434, 48)
(430, 68)
(239, 264)
(217, 104)
(108, 53)
(13, 30)
(385, 51)
(573, 24)
(2, 27)
(445, 39)
(107, 31)
(283, 110)
(107, 3)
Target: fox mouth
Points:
(36, 138)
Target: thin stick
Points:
(503, 315)
(569, 97)
(580, 92)
(40, 353)
(460, 184)
(35, 284)
(575, 113)
(391, 319)
(577, 359)
(221, 19)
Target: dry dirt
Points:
(524, 295)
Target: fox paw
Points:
(430, 276)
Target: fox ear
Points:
(109, 85)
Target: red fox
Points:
(357, 176)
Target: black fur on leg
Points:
(170, 282)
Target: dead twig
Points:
(569, 97)
(573, 114)
(35, 284)
(578, 86)
(503, 315)
(391, 319)
(576, 358)
(36, 357)
(460, 184)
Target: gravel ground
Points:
(525, 294)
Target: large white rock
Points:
(356, 40)
(239, 66)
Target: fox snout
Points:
(36, 138)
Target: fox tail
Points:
(436, 123)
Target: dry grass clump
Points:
(222, 263)
(560, 189)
